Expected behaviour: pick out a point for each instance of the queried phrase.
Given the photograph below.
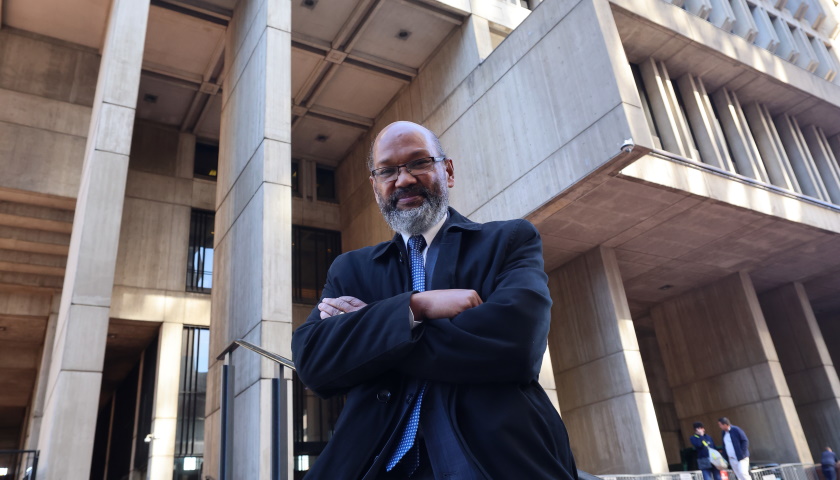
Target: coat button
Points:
(383, 396)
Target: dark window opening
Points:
(192, 397)
(296, 179)
(325, 178)
(313, 251)
(314, 424)
(200, 254)
(206, 161)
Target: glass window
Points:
(189, 429)
(296, 179)
(314, 424)
(200, 254)
(325, 177)
(313, 251)
(206, 161)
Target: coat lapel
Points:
(444, 273)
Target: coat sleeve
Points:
(335, 354)
(745, 443)
(501, 340)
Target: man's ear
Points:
(450, 173)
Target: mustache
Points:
(415, 190)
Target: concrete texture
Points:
(721, 361)
(592, 342)
(66, 439)
(808, 368)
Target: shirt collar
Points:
(429, 234)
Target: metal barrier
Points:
(280, 448)
(19, 464)
(692, 475)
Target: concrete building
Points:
(177, 174)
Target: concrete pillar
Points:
(721, 361)
(598, 370)
(252, 296)
(830, 328)
(673, 438)
(165, 412)
(72, 398)
(806, 363)
(36, 412)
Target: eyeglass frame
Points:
(405, 166)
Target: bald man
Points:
(436, 337)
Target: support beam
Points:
(598, 368)
(252, 265)
(806, 363)
(721, 361)
(72, 394)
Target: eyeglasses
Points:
(414, 167)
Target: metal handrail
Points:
(280, 447)
(250, 346)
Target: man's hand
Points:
(337, 306)
(442, 303)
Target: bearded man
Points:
(436, 337)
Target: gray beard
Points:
(416, 220)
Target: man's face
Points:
(411, 204)
(723, 427)
(700, 431)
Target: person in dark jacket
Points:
(702, 443)
(737, 448)
(436, 337)
(829, 464)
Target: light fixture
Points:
(321, 138)
(403, 34)
(310, 4)
(666, 287)
(150, 98)
(190, 464)
(4, 471)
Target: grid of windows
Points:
(200, 254)
(313, 251)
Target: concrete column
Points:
(830, 328)
(598, 369)
(72, 398)
(165, 412)
(251, 296)
(36, 412)
(806, 364)
(721, 361)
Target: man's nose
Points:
(404, 178)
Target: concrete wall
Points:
(805, 361)
(721, 361)
(549, 105)
(46, 89)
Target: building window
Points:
(314, 424)
(296, 179)
(313, 251)
(200, 255)
(189, 429)
(206, 163)
(325, 178)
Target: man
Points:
(737, 448)
(702, 443)
(829, 464)
(436, 337)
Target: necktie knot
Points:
(417, 242)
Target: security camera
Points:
(149, 438)
(628, 145)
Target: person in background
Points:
(737, 448)
(829, 464)
(702, 443)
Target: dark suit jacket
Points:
(486, 360)
(739, 442)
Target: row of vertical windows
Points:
(767, 29)
(192, 398)
(325, 187)
(716, 129)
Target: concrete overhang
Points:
(677, 225)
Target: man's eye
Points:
(385, 172)
(420, 163)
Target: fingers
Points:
(340, 305)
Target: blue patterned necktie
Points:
(416, 244)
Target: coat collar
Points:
(455, 223)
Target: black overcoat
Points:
(486, 360)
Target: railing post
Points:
(226, 457)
